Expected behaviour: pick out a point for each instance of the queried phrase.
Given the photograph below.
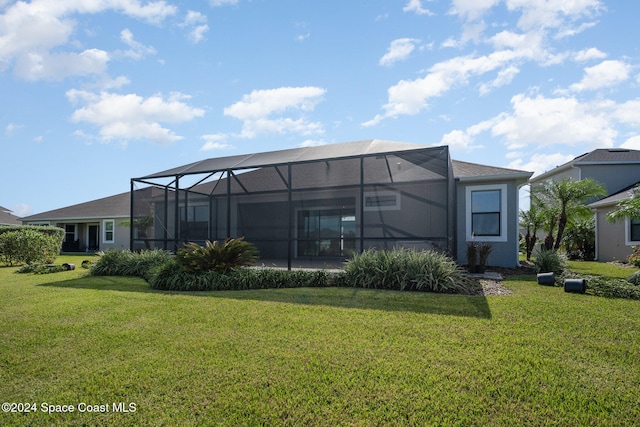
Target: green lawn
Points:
(314, 356)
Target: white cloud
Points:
(21, 210)
(257, 108)
(47, 66)
(132, 117)
(216, 141)
(505, 77)
(216, 3)
(632, 143)
(540, 163)
(552, 13)
(472, 10)
(554, 121)
(589, 54)
(136, 49)
(197, 23)
(416, 7)
(11, 128)
(35, 35)
(606, 74)
(399, 50)
(312, 143)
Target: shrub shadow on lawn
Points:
(348, 298)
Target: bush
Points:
(172, 276)
(634, 279)
(550, 261)
(634, 258)
(408, 270)
(30, 245)
(226, 256)
(127, 263)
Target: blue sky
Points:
(95, 92)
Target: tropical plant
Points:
(628, 208)
(408, 270)
(549, 261)
(531, 221)
(564, 199)
(226, 256)
(472, 256)
(580, 239)
(127, 263)
(483, 254)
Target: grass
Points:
(328, 356)
(601, 269)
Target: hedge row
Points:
(29, 244)
(396, 270)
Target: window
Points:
(194, 222)
(632, 232)
(486, 217)
(109, 228)
(382, 201)
(69, 233)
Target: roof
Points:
(615, 198)
(8, 218)
(466, 171)
(113, 206)
(462, 170)
(600, 156)
(294, 155)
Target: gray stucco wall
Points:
(504, 253)
(610, 238)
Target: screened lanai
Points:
(304, 205)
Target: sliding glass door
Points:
(326, 232)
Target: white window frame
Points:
(104, 231)
(503, 237)
(627, 234)
(369, 194)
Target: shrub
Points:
(41, 269)
(225, 256)
(172, 276)
(634, 279)
(127, 263)
(402, 269)
(634, 258)
(550, 261)
(30, 245)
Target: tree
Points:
(567, 198)
(628, 208)
(531, 221)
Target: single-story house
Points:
(96, 225)
(316, 204)
(618, 170)
(8, 218)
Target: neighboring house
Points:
(323, 203)
(617, 170)
(96, 225)
(8, 218)
(614, 241)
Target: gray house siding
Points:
(504, 247)
(614, 177)
(610, 249)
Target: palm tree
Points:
(628, 208)
(568, 197)
(531, 221)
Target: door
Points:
(326, 232)
(94, 232)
